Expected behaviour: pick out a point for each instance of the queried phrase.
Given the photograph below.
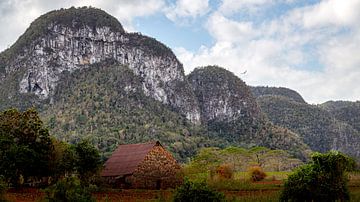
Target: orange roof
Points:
(126, 158)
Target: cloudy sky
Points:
(310, 46)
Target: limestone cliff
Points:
(223, 97)
(62, 41)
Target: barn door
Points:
(158, 184)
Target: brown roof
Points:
(126, 158)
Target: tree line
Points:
(29, 155)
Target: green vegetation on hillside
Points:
(259, 91)
(317, 127)
(348, 112)
(150, 45)
(230, 112)
(106, 105)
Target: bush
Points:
(194, 192)
(323, 179)
(224, 171)
(3, 188)
(256, 173)
(68, 189)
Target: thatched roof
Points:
(126, 158)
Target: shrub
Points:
(224, 171)
(323, 179)
(256, 173)
(68, 189)
(3, 188)
(194, 192)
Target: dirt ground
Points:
(131, 195)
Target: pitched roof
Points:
(126, 158)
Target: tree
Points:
(88, 160)
(68, 189)
(323, 179)
(63, 160)
(25, 146)
(191, 191)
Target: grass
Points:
(354, 194)
(354, 178)
(254, 197)
(271, 176)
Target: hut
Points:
(146, 165)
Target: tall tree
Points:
(88, 160)
(25, 145)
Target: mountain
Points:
(348, 112)
(89, 78)
(259, 91)
(317, 127)
(70, 39)
(224, 98)
(229, 110)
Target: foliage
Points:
(64, 160)
(323, 179)
(316, 126)
(191, 191)
(88, 160)
(256, 173)
(68, 189)
(241, 121)
(81, 158)
(25, 146)
(107, 114)
(224, 171)
(240, 159)
(346, 111)
(260, 91)
(150, 45)
(3, 188)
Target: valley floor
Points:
(238, 189)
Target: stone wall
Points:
(159, 170)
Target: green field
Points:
(240, 188)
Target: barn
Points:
(146, 165)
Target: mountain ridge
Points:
(92, 81)
(66, 49)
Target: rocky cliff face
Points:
(222, 95)
(65, 47)
(229, 110)
(225, 100)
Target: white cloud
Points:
(184, 9)
(225, 30)
(332, 12)
(276, 52)
(250, 6)
(16, 15)
(125, 10)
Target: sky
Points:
(310, 46)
